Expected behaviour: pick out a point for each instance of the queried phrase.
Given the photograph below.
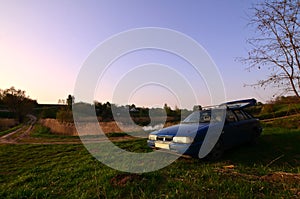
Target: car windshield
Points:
(198, 117)
(204, 116)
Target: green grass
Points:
(290, 122)
(279, 110)
(274, 143)
(2, 133)
(69, 171)
(287, 107)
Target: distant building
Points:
(133, 109)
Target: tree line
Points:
(16, 104)
(107, 112)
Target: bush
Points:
(7, 114)
(64, 116)
(48, 113)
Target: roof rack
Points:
(238, 104)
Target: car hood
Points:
(183, 129)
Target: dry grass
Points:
(58, 127)
(87, 128)
(6, 123)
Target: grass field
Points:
(69, 171)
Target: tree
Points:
(1, 96)
(18, 103)
(65, 115)
(167, 109)
(61, 101)
(276, 46)
(70, 101)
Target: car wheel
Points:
(217, 152)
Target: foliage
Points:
(286, 100)
(140, 115)
(273, 110)
(48, 112)
(17, 102)
(64, 115)
(70, 101)
(104, 111)
(276, 45)
(6, 114)
(1, 98)
(168, 109)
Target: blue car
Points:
(236, 127)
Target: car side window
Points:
(230, 116)
(249, 116)
(240, 115)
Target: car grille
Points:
(165, 138)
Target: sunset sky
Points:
(44, 43)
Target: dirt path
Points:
(15, 136)
(22, 136)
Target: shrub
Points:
(64, 116)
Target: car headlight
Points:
(152, 137)
(185, 140)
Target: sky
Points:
(44, 44)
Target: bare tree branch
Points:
(276, 45)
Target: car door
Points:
(230, 132)
(244, 126)
(252, 127)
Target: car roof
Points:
(240, 104)
(233, 105)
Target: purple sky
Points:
(43, 44)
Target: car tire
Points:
(216, 153)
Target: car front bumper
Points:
(180, 148)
